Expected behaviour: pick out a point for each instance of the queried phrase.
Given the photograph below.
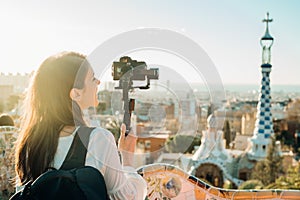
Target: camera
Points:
(127, 71)
(126, 67)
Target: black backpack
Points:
(72, 181)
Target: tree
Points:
(269, 169)
(227, 133)
(287, 137)
(291, 180)
(261, 172)
(274, 161)
(211, 109)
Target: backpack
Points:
(72, 181)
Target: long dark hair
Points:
(47, 109)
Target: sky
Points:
(229, 31)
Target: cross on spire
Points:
(267, 20)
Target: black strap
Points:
(77, 152)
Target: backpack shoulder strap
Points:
(77, 152)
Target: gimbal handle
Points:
(128, 105)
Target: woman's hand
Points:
(126, 145)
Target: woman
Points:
(62, 87)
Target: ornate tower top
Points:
(266, 42)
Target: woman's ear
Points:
(75, 94)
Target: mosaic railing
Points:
(168, 182)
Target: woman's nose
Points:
(98, 82)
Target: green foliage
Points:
(209, 110)
(182, 143)
(287, 137)
(251, 184)
(274, 161)
(290, 181)
(227, 133)
(270, 168)
(268, 171)
(261, 172)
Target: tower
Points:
(263, 124)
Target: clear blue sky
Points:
(228, 30)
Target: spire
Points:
(264, 122)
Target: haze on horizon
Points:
(228, 31)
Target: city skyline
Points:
(229, 32)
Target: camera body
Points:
(133, 69)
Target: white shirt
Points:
(121, 182)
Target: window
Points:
(147, 144)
